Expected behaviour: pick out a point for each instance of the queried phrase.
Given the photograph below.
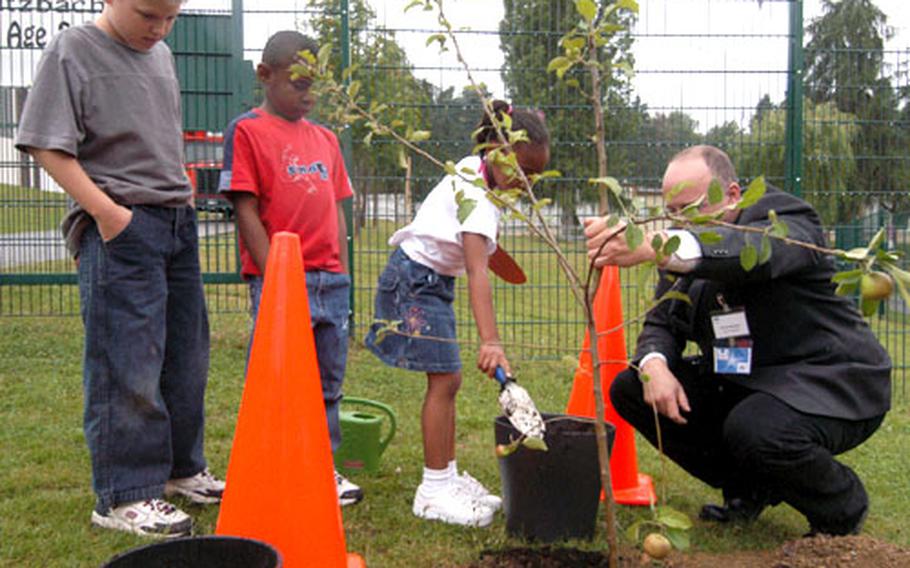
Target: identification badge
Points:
(729, 324)
(733, 357)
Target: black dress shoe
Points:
(842, 529)
(735, 510)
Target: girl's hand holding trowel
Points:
(490, 356)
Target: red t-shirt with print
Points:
(296, 171)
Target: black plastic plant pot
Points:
(200, 552)
(552, 495)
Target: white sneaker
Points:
(453, 505)
(348, 493)
(475, 489)
(154, 517)
(202, 488)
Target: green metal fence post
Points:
(348, 204)
(794, 161)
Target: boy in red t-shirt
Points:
(284, 173)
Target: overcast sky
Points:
(713, 58)
(753, 44)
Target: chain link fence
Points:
(706, 71)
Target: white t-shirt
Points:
(434, 236)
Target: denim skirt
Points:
(414, 306)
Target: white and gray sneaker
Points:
(475, 489)
(348, 493)
(153, 517)
(202, 488)
(451, 505)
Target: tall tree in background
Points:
(846, 65)
(663, 135)
(386, 77)
(529, 34)
(827, 132)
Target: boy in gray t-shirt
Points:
(103, 118)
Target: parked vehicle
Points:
(203, 152)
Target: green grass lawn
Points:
(28, 209)
(45, 496)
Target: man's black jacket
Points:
(812, 349)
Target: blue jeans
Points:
(421, 300)
(330, 305)
(146, 354)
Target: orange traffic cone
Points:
(280, 480)
(629, 486)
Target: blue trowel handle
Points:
(500, 376)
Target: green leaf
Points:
(634, 236)
(368, 138)
(633, 531)
(612, 221)
(557, 63)
(710, 237)
(671, 518)
(856, 254)
(353, 89)
(748, 257)
(587, 9)
(533, 443)
(848, 276)
(625, 67)
(885, 257)
(419, 135)
(877, 240)
(644, 377)
(465, 207)
(402, 158)
(847, 288)
(413, 4)
(780, 230)
(869, 306)
(692, 209)
(542, 203)
(764, 253)
(441, 38)
(901, 280)
(572, 43)
(677, 189)
(672, 245)
(755, 191)
(450, 168)
(715, 193)
(678, 538)
(610, 183)
(657, 242)
(675, 295)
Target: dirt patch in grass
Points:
(830, 552)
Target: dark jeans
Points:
(146, 354)
(747, 442)
(329, 301)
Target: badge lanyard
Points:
(732, 344)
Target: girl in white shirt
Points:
(417, 288)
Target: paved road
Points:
(29, 248)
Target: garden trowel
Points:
(518, 407)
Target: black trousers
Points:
(750, 444)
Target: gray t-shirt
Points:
(117, 111)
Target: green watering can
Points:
(361, 443)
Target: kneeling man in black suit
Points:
(788, 376)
